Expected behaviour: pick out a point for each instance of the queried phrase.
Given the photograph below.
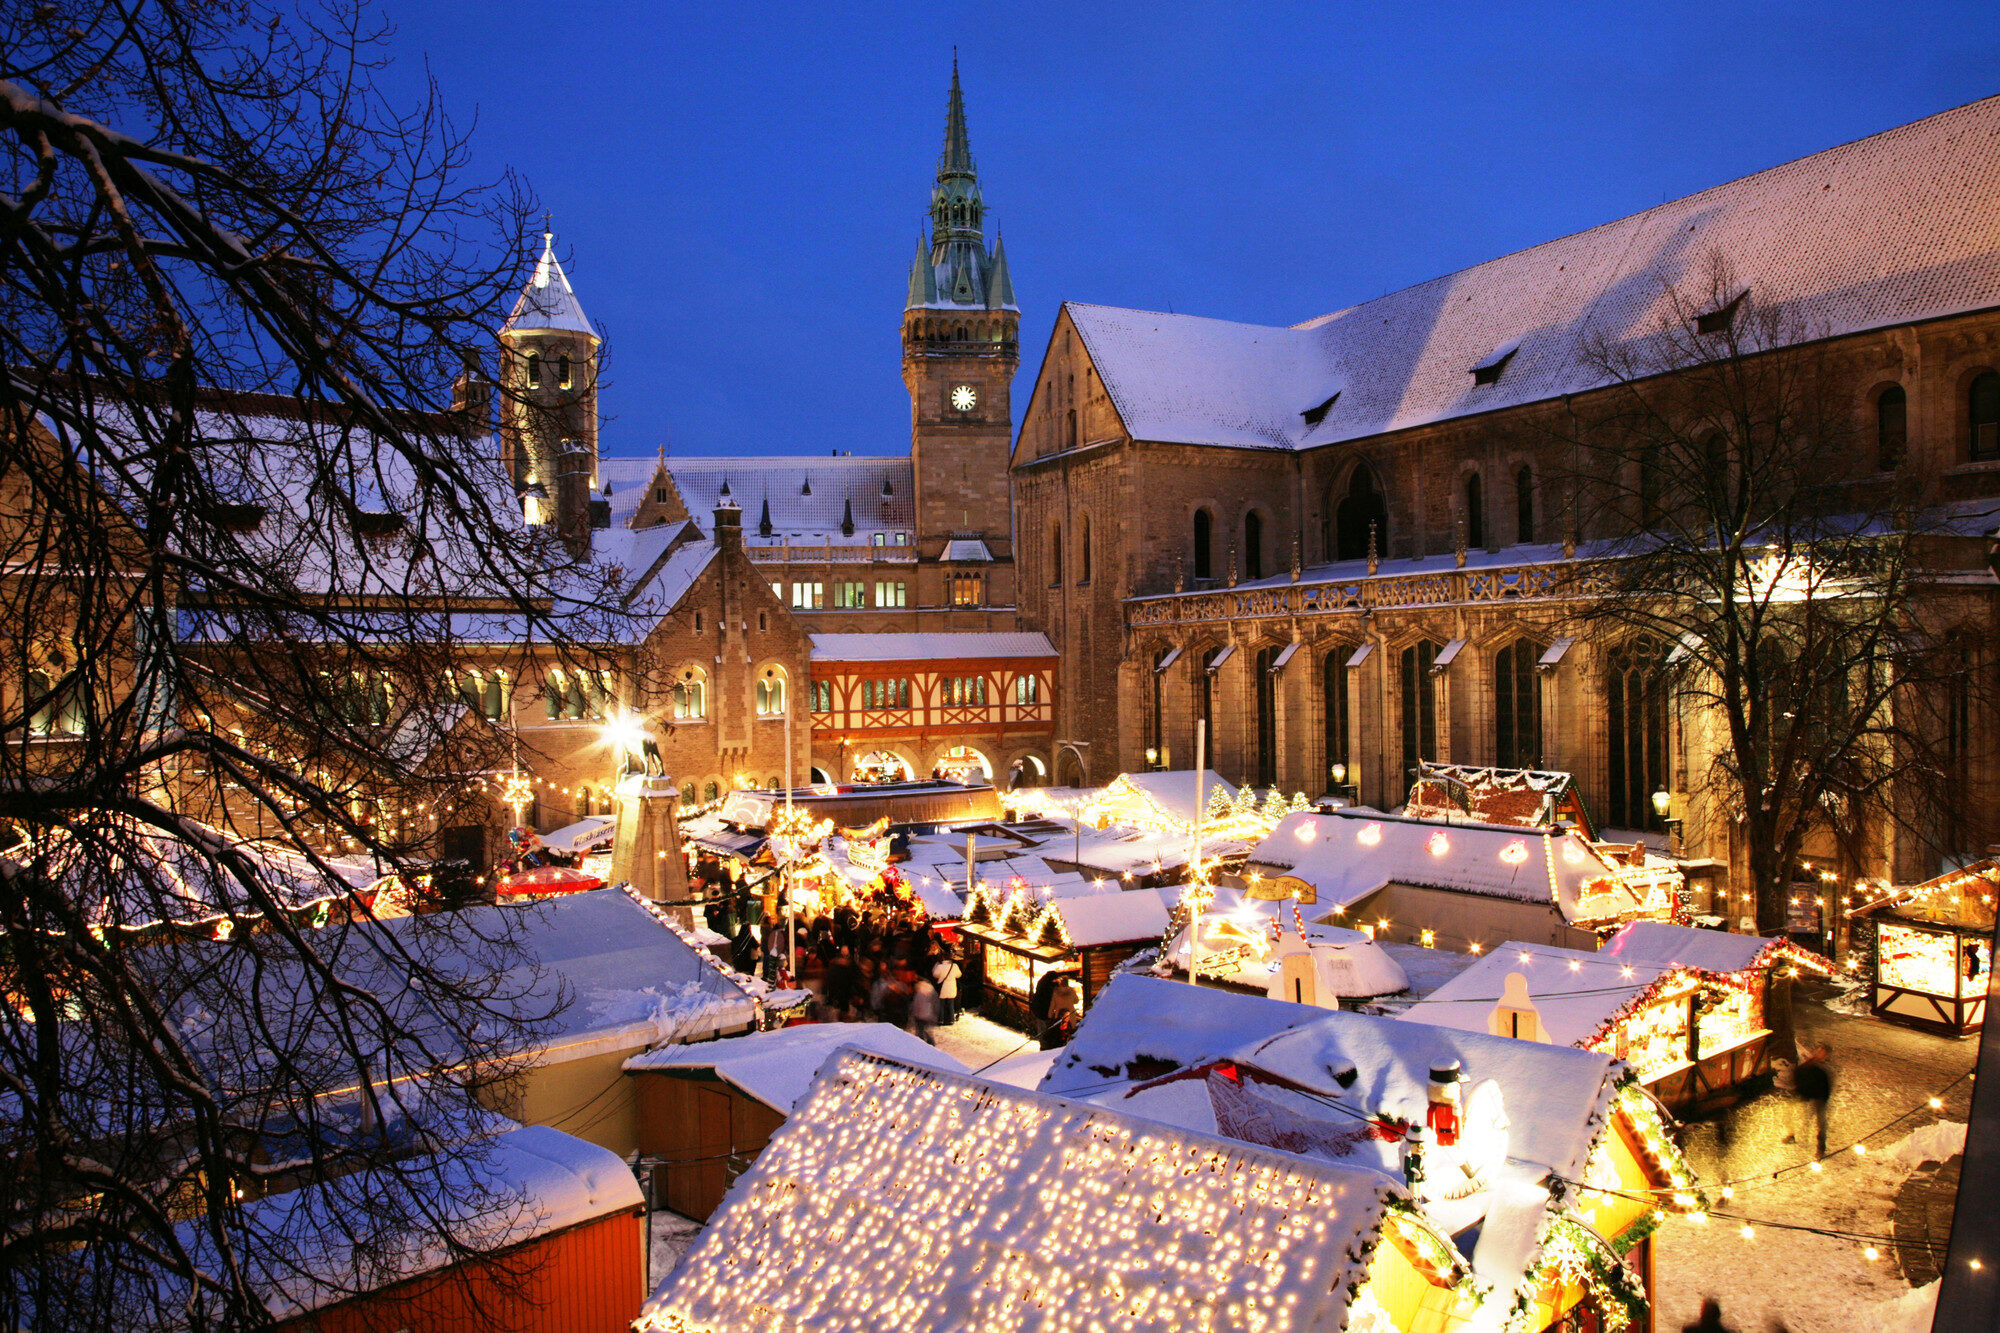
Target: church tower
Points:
(548, 400)
(960, 350)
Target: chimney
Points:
(472, 400)
(728, 526)
(573, 498)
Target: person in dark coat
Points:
(837, 991)
(743, 950)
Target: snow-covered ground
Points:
(981, 1041)
(670, 1237)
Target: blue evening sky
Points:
(737, 189)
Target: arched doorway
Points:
(881, 766)
(962, 763)
(821, 777)
(1362, 506)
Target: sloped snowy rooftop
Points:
(778, 1067)
(1573, 991)
(809, 495)
(548, 301)
(1657, 944)
(905, 1199)
(1881, 231)
(1348, 855)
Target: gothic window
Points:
(1420, 723)
(691, 697)
(1984, 401)
(709, 791)
(1334, 684)
(1650, 486)
(1267, 718)
(1205, 699)
(1204, 525)
(1070, 436)
(562, 370)
(1253, 545)
(1159, 732)
(1892, 428)
(1362, 507)
(1517, 706)
(1524, 505)
(1083, 551)
(1055, 554)
(534, 370)
(1475, 510)
(1636, 730)
(771, 692)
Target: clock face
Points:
(964, 397)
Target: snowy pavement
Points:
(1800, 1280)
(981, 1041)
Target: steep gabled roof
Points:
(1886, 230)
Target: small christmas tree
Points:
(1218, 801)
(1274, 806)
(1299, 803)
(1245, 803)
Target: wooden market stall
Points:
(1932, 953)
(707, 1110)
(1015, 941)
(1684, 1007)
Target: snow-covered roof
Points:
(1886, 230)
(1574, 992)
(548, 301)
(1348, 855)
(1661, 945)
(1142, 1026)
(1236, 945)
(965, 549)
(527, 1183)
(1111, 918)
(878, 493)
(778, 1067)
(900, 1198)
(941, 645)
(1170, 792)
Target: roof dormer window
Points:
(1315, 415)
(1719, 319)
(1490, 370)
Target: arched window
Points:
(1636, 730)
(1055, 554)
(1524, 505)
(688, 796)
(1267, 718)
(691, 696)
(534, 370)
(562, 370)
(1984, 400)
(1420, 719)
(1204, 532)
(1333, 682)
(498, 700)
(1892, 428)
(1253, 545)
(1083, 551)
(771, 692)
(1204, 700)
(1070, 436)
(1651, 486)
(709, 791)
(1362, 508)
(1517, 706)
(1475, 511)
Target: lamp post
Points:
(774, 681)
(1194, 859)
(1338, 773)
(1663, 801)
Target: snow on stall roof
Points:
(529, 1182)
(591, 831)
(778, 1067)
(940, 645)
(1348, 855)
(1658, 944)
(1155, 1024)
(1885, 230)
(899, 1198)
(1169, 791)
(1112, 918)
(1573, 1002)
(1355, 965)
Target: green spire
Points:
(999, 285)
(923, 279)
(956, 160)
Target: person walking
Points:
(1062, 1015)
(946, 974)
(923, 1009)
(1814, 1081)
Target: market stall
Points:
(1684, 1007)
(1932, 950)
(1015, 941)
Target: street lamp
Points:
(773, 681)
(1663, 801)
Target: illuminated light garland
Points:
(1437, 844)
(1514, 852)
(1368, 834)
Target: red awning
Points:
(551, 879)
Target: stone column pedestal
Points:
(647, 851)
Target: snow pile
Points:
(1912, 1312)
(1938, 1142)
(898, 1198)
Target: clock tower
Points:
(960, 351)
